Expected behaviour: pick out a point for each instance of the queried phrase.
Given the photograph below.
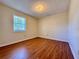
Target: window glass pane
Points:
(19, 24)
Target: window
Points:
(19, 24)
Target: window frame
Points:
(18, 23)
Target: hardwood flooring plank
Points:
(37, 48)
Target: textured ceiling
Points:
(53, 6)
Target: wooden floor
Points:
(38, 48)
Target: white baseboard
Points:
(1, 45)
(53, 38)
(74, 54)
(5, 44)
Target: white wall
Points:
(54, 27)
(8, 36)
(74, 27)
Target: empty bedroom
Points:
(39, 29)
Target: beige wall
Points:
(54, 27)
(0, 24)
(74, 27)
(7, 34)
